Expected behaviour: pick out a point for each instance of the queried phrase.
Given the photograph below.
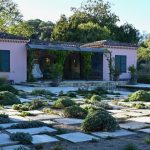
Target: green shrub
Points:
(75, 112)
(104, 105)
(131, 146)
(21, 107)
(99, 120)
(8, 98)
(3, 81)
(140, 106)
(21, 148)
(4, 119)
(36, 104)
(41, 92)
(28, 124)
(62, 103)
(7, 87)
(147, 140)
(95, 98)
(140, 95)
(71, 94)
(23, 138)
(25, 113)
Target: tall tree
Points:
(9, 14)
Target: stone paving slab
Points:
(32, 130)
(35, 112)
(18, 118)
(48, 122)
(7, 125)
(41, 139)
(68, 121)
(5, 140)
(77, 137)
(145, 130)
(140, 119)
(133, 125)
(118, 133)
(24, 100)
(43, 117)
(13, 147)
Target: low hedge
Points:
(75, 112)
(8, 98)
(99, 120)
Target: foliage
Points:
(28, 124)
(133, 73)
(42, 29)
(3, 81)
(101, 121)
(71, 94)
(21, 148)
(8, 98)
(140, 106)
(41, 92)
(25, 113)
(63, 102)
(131, 146)
(7, 87)
(75, 112)
(57, 147)
(147, 140)
(23, 138)
(95, 98)
(9, 13)
(22, 29)
(140, 95)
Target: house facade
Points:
(19, 55)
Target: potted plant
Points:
(133, 75)
(56, 74)
(116, 74)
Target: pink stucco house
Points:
(15, 53)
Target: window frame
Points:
(8, 67)
(121, 63)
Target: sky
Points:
(136, 12)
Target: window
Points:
(4, 61)
(121, 63)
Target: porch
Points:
(77, 63)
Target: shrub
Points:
(7, 87)
(140, 95)
(75, 112)
(36, 104)
(4, 119)
(131, 146)
(21, 148)
(140, 106)
(99, 120)
(41, 92)
(62, 103)
(104, 105)
(28, 124)
(95, 98)
(71, 94)
(3, 81)
(147, 140)
(23, 138)
(25, 113)
(8, 98)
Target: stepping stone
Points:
(32, 130)
(7, 125)
(68, 121)
(48, 122)
(5, 140)
(145, 130)
(18, 118)
(14, 147)
(117, 133)
(140, 119)
(133, 125)
(40, 139)
(77, 137)
(23, 100)
(43, 117)
(35, 112)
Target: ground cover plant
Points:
(95, 98)
(41, 92)
(4, 119)
(7, 87)
(75, 112)
(63, 102)
(28, 124)
(8, 98)
(140, 95)
(99, 120)
(23, 138)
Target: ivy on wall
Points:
(87, 58)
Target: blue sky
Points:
(136, 12)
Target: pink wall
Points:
(18, 61)
(131, 60)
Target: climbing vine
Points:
(87, 58)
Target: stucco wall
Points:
(131, 55)
(18, 61)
